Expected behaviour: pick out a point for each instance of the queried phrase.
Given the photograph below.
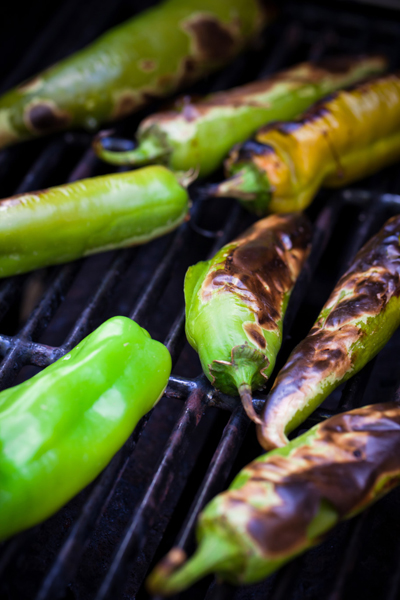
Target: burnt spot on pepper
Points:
(340, 466)
(211, 39)
(43, 116)
(255, 334)
(147, 65)
(262, 266)
(126, 102)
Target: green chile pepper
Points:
(358, 319)
(180, 138)
(348, 135)
(59, 429)
(235, 303)
(151, 55)
(70, 221)
(285, 501)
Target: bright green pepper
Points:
(70, 221)
(235, 303)
(180, 139)
(282, 503)
(151, 55)
(59, 429)
(348, 135)
(358, 319)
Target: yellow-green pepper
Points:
(59, 429)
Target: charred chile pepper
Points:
(59, 429)
(149, 56)
(285, 501)
(235, 303)
(180, 139)
(70, 221)
(347, 136)
(358, 319)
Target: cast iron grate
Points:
(103, 542)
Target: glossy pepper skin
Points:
(180, 138)
(235, 302)
(151, 55)
(70, 221)
(285, 501)
(358, 319)
(347, 136)
(59, 429)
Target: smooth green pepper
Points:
(59, 429)
(282, 503)
(180, 139)
(70, 221)
(235, 303)
(358, 319)
(348, 135)
(151, 55)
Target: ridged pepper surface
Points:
(349, 135)
(358, 319)
(149, 56)
(59, 429)
(285, 501)
(180, 138)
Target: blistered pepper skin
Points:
(180, 138)
(151, 55)
(59, 429)
(64, 223)
(235, 302)
(285, 501)
(358, 319)
(349, 135)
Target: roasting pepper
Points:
(358, 319)
(70, 221)
(149, 56)
(180, 139)
(235, 303)
(347, 136)
(59, 429)
(282, 503)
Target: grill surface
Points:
(102, 544)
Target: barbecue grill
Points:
(103, 543)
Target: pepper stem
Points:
(113, 151)
(169, 577)
(246, 397)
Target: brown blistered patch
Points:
(262, 266)
(255, 334)
(147, 65)
(211, 39)
(341, 465)
(43, 116)
(126, 102)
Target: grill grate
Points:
(102, 543)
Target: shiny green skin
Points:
(181, 139)
(70, 221)
(59, 429)
(214, 328)
(118, 73)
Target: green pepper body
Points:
(151, 55)
(347, 136)
(70, 221)
(282, 503)
(181, 138)
(59, 429)
(235, 302)
(358, 319)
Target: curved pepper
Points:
(349, 135)
(358, 319)
(180, 138)
(70, 221)
(235, 303)
(59, 429)
(282, 503)
(151, 55)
